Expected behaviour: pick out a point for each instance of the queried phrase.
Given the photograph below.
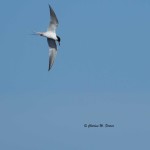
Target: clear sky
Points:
(101, 75)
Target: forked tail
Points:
(37, 33)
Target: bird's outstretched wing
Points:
(53, 22)
(52, 52)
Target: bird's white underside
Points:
(50, 35)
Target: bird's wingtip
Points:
(49, 68)
(49, 6)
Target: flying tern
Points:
(52, 37)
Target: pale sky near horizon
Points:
(101, 75)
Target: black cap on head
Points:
(58, 39)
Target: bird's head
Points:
(58, 39)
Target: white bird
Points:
(51, 36)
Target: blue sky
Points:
(101, 75)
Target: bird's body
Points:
(48, 34)
(51, 36)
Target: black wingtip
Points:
(49, 68)
(49, 6)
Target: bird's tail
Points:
(37, 33)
